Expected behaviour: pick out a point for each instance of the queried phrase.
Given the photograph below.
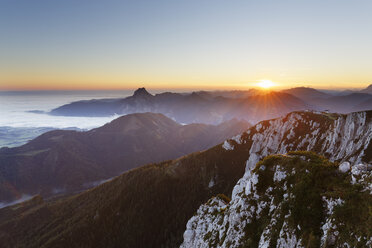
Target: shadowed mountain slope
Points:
(365, 105)
(346, 103)
(68, 161)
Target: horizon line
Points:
(275, 88)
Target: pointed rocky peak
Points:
(142, 92)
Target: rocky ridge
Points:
(270, 205)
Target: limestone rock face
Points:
(295, 199)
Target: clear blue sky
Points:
(199, 44)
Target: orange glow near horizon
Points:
(266, 84)
(177, 84)
(114, 79)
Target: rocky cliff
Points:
(297, 199)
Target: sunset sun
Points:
(266, 84)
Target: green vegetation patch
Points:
(308, 178)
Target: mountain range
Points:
(202, 107)
(213, 107)
(294, 199)
(344, 103)
(64, 161)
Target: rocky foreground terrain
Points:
(295, 199)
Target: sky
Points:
(191, 44)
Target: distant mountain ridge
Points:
(151, 205)
(306, 93)
(367, 90)
(67, 161)
(344, 103)
(213, 107)
(197, 107)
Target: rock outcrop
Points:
(297, 199)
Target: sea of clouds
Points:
(14, 107)
(18, 125)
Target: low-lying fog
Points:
(17, 125)
(14, 107)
